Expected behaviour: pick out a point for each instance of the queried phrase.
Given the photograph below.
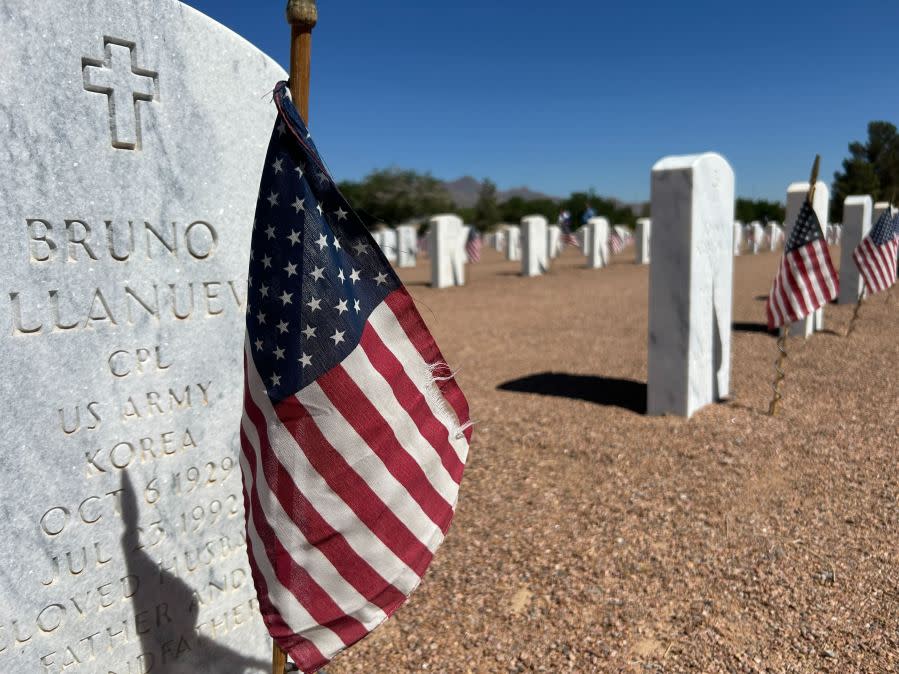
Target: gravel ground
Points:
(592, 538)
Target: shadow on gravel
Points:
(625, 393)
(754, 327)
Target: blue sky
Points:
(577, 94)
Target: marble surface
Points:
(691, 283)
(797, 193)
(597, 239)
(738, 237)
(644, 230)
(857, 221)
(553, 241)
(407, 246)
(131, 159)
(446, 248)
(534, 260)
(513, 243)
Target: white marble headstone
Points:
(446, 248)
(389, 243)
(513, 243)
(644, 229)
(534, 259)
(738, 236)
(407, 246)
(598, 242)
(758, 236)
(857, 220)
(797, 193)
(133, 135)
(691, 283)
(499, 240)
(553, 241)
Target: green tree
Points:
(486, 210)
(871, 168)
(749, 210)
(395, 196)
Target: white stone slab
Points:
(513, 243)
(133, 136)
(598, 240)
(407, 246)
(797, 193)
(499, 240)
(758, 236)
(857, 220)
(389, 243)
(446, 248)
(553, 241)
(691, 283)
(738, 237)
(534, 260)
(644, 229)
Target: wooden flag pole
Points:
(302, 15)
(780, 374)
(858, 307)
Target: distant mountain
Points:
(464, 192)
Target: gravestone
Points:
(407, 246)
(513, 243)
(690, 283)
(446, 248)
(534, 260)
(598, 242)
(772, 231)
(758, 236)
(133, 135)
(857, 219)
(583, 235)
(738, 236)
(553, 241)
(797, 193)
(879, 208)
(389, 243)
(644, 227)
(499, 240)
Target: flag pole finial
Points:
(813, 181)
(302, 15)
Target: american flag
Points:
(806, 279)
(875, 256)
(473, 245)
(354, 434)
(616, 243)
(568, 237)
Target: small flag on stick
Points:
(875, 256)
(354, 434)
(806, 279)
(473, 245)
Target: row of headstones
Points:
(757, 237)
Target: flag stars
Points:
(278, 353)
(258, 344)
(276, 380)
(338, 336)
(298, 205)
(320, 210)
(309, 332)
(361, 248)
(318, 273)
(285, 298)
(314, 305)
(341, 307)
(267, 262)
(263, 291)
(270, 232)
(341, 214)
(340, 276)
(291, 269)
(305, 360)
(294, 237)
(299, 170)
(260, 317)
(278, 165)
(322, 242)
(381, 279)
(281, 128)
(336, 244)
(356, 306)
(273, 199)
(283, 326)
(354, 276)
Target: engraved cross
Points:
(125, 84)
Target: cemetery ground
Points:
(592, 538)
